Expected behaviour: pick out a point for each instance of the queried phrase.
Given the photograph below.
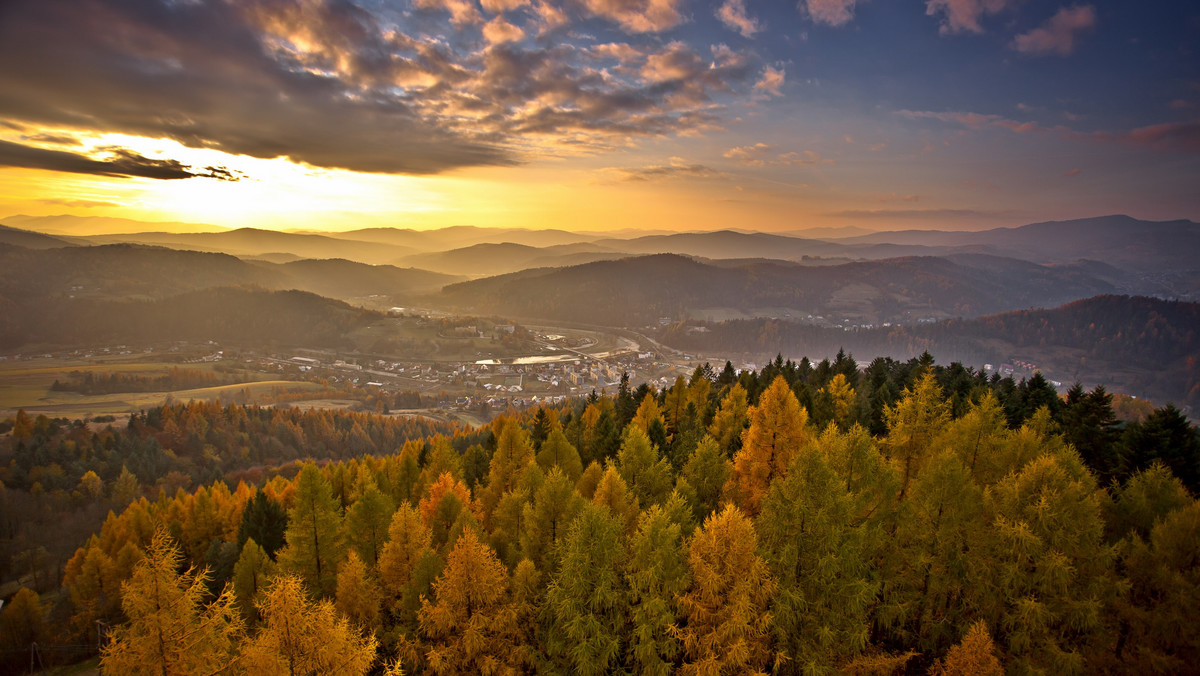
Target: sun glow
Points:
(272, 193)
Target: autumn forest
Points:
(804, 519)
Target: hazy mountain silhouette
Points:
(641, 289)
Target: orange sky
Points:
(597, 115)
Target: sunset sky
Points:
(600, 114)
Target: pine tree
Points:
(928, 573)
(648, 475)
(405, 562)
(587, 599)
(300, 636)
(22, 623)
(556, 451)
(818, 549)
(975, 656)
(367, 522)
(1158, 612)
(1042, 574)
(441, 508)
(707, 470)
(675, 402)
(840, 400)
(977, 438)
(441, 459)
(251, 574)
(513, 454)
(778, 429)
(315, 545)
(555, 506)
(730, 420)
(471, 625)
(1166, 436)
(656, 574)
(726, 621)
(358, 594)
(1089, 424)
(912, 425)
(1145, 499)
(613, 493)
(171, 630)
(647, 413)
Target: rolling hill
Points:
(255, 242)
(1119, 240)
(637, 291)
(480, 260)
(239, 315)
(126, 271)
(1142, 346)
(30, 239)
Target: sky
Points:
(600, 114)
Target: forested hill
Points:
(1144, 346)
(122, 271)
(234, 315)
(636, 291)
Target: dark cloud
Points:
(332, 84)
(56, 139)
(120, 162)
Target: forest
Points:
(1153, 341)
(908, 517)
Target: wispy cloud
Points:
(771, 81)
(1178, 136)
(829, 12)
(765, 154)
(1059, 34)
(498, 31)
(497, 6)
(462, 12)
(638, 16)
(1167, 136)
(677, 167)
(959, 16)
(733, 14)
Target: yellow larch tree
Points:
(171, 630)
(778, 429)
(470, 627)
(726, 621)
(300, 636)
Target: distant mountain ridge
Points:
(68, 224)
(634, 291)
(1116, 239)
(135, 271)
(1161, 252)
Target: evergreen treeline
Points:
(87, 382)
(1158, 338)
(804, 519)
